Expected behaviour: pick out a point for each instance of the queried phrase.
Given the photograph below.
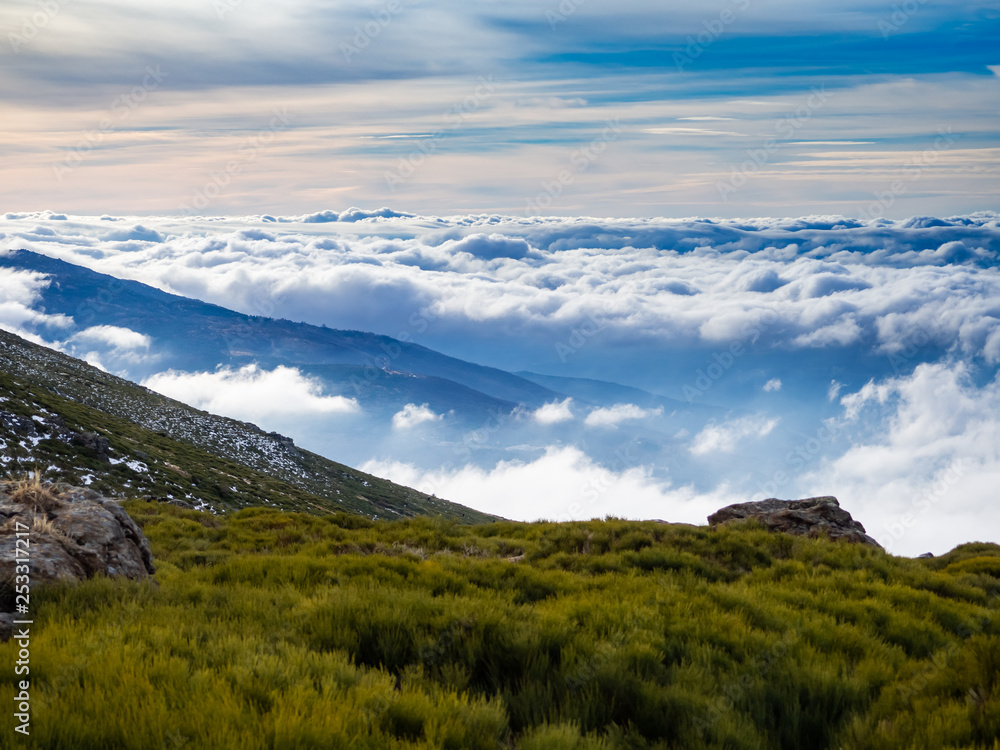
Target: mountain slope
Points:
(54, 409)
(192, 335)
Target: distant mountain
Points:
(190, 335)
(83, 426)
(604, 393)
(474, 415)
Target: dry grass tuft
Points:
(32, 493)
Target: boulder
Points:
(92, 442)
(812, 517)
(73, 534)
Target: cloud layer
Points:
(810, 284)
(777, 357)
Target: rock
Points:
(812, 517)
(94, 442)
(74, 534)
(17, 424)
(286, 443)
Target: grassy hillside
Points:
(164, 449)
(284, 630)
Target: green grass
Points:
(281, 630)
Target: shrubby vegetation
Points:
(277, 630)
(175, 468)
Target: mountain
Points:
(83, 426)
(604, 393)
(466, 414)
(191, 335)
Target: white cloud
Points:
(817, 282)
(554, 413)
(612, 416)
(562, 485)
(859, 299)
(251, 393)
(834, 390)
(926, 473)
(772, 385)
(726, 437)
(113, 337)
(412, 415)
(19, 295)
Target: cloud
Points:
(554, 413)
(876, 323)
(490, 247)
(564, 484)
(614, 415)
(925, 459)
(412, 415)
(772, 385)
(470, 284)
(110, 348)
(726, 437)
(834, 390)
(351, 215)
(113, 337)
(251, 393)
(20, 292)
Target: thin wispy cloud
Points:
(363, 86)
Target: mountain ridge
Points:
(51, 382)
(210, 334)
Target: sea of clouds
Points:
(834, 355)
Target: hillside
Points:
(188, 334)
(278, 630)
(163, 449)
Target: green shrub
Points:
(280, 630)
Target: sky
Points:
(572, 107)
(629, 191)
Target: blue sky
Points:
(565, 108)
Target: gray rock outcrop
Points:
(812, 517)
(73, 534)
(51, 427)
